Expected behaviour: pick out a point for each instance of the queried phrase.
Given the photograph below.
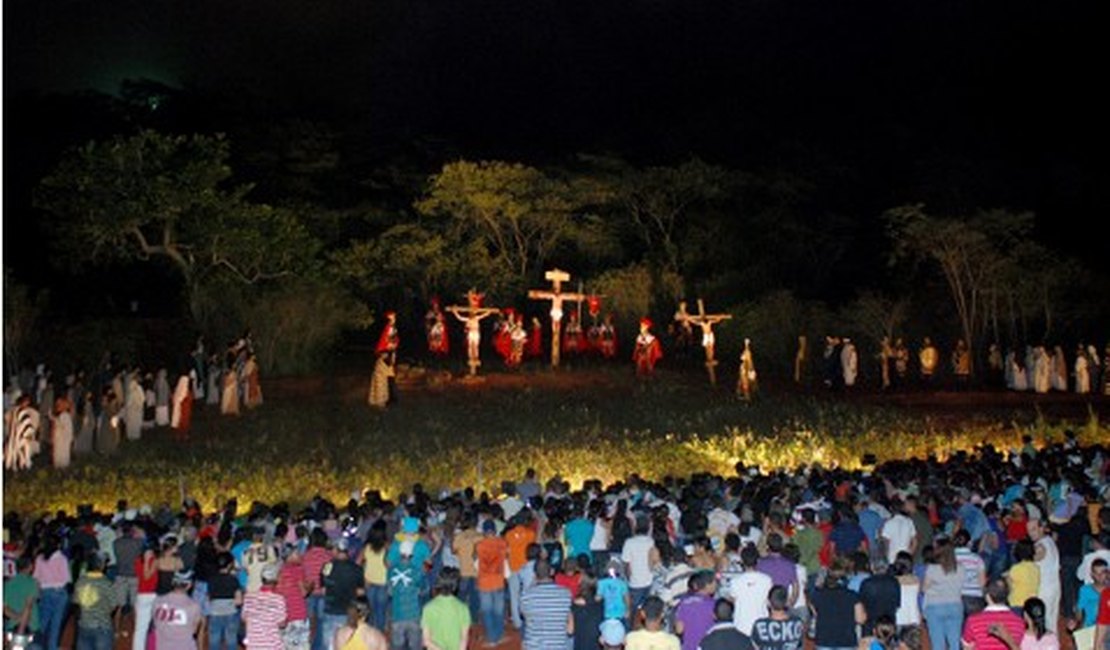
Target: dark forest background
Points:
(789, 161)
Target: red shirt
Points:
(1103, 608)
(290, 582)
(570, 582)
(314, 560)
(975, 629)
(146, 585)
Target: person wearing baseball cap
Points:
(264, 612)
(177, 616)
(612, 634)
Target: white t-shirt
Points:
(1050, 569)
(720, 522)
(899, 533)
(635, 554)
(749, 595)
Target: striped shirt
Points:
(289, 585)
(974, 570)
(546, 608)
(314, 560)
(52, 572)
(264, 614)
(977, 626)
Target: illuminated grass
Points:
(290, 450)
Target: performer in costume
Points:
(438, 343)
(607, 338)
(383, 390)
(182, 418)
(22, 434)
(745, 386)
(503, 335)
(574, 340)
(63, 432)
(252, 396)
(519, 338)
(535, 339)
(648, 350)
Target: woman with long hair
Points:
(374, 572)
(943, 585)
(1036, 637)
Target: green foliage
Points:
(22, 311)
(521, 214)
(773, 323)
(635, 291)
(153, 195)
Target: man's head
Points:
(612, 634)
(778, 599)
(1099, 571)
(270, 574)
(342, 547)
(653, 609)
(702, 582)
(723, 610)
(1036, 530)
(774, 543)
(998, 592)
(543, 570)
(489, 528)
(749, 556)
(447, 582)
(182, 580)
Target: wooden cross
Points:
(708, 338)
(556, 296)
(472, 314)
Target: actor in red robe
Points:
(648, 350)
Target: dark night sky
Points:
(958, 103)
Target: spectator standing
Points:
(546, 611)
(445, 621)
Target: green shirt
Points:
(447, 619)
(96, 597)
(809, 541)
(16, 592)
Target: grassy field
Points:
(320, 436)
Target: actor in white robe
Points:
(212, 394)
(1059, 370)
(133, 407)
(229, 402)
(1042, 370)
(161, 399)
(1082, 372)
(1020, 375)
(849, 362)
(63, 436)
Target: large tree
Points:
(520, 213)
(971, 252)
(154, 196)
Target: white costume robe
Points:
(1082, 375)
(161, 400)
(133, 409)
(63, 439)
(1059, 371)
(849, 363)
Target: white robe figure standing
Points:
(1042, 370)
(1082, 372)
(212, 395)
(1059, 370)
(161, 399)
(133, 407)
(1020, 374)
(63, 435)
(1008, 369)
(849, 362)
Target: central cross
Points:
(556, 295)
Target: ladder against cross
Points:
(472, 314)
(708, 338)
(556, 295)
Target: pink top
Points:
(52, 573)
(1046, 642)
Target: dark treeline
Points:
(778, 133)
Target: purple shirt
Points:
(696, 613)
(781, 570)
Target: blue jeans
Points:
(945, 622)
(94, 638)
(378, 595)
(492, 606)
(469, 595)
(515, 587)
(332, 623)
(52, 614)
(315, 605)
(638, 596)
(225, 629)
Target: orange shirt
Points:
(491, 563)
(519, 538)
